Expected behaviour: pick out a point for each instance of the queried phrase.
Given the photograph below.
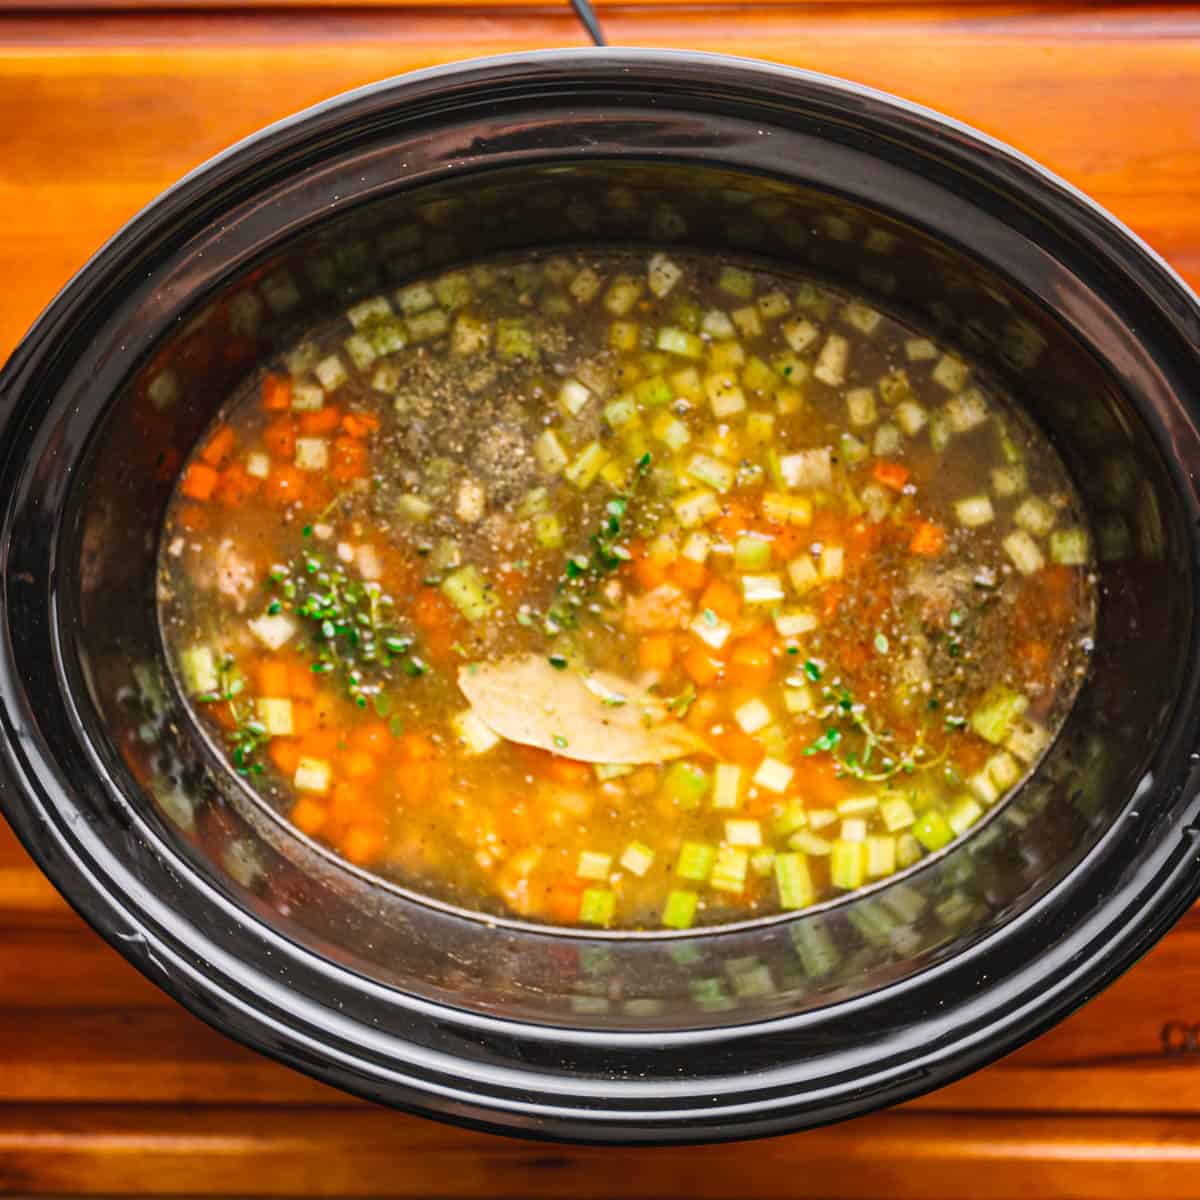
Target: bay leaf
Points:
(592, 716)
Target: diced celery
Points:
(1024, 551)
(596, 906)
(736, 282)
(359, 350)
(747, 320)
(788, 510)
(964, 812)
(751, 552)
(888, 442)
(686, 784)
(773, 304)
(759, 377)
(974, 511)
(687, 383)
(833, 559)
(966, 411)
(932, 829)
(625, 336)
(803, 574)
(724, 395)
(952, 373)
(939, 431)
(453, 290)
(307, 397)
(514, 339)
(585, 285)
(312, 775)
(854, 829)
(415, 298)
(798, 698)
(547, 529)
(762, 589)
(679, 912)
(881, 856)
(800, 334)
(908, 850)
(911, 418)
(860, 406)
(638, 858)
(1010, 480)
(741, 832)
(275, 714)
(467, 590)
(622, 295)
(857, 806)
(729, 869)
(762, 861)
(696, 508)
(426, 326)
(1069, 547)
(752, 716)
(773, 775)
(848, 864)
(273, 630)
(413, 508)
(653, 392)
(809, 842)
(593, 865)
(807, 469)
(728, 785)
(471, 335)
(662, 275)
(1035, 515)
(896, 813)
(586, 465)
(853, 450)
(894, 387)
(760, 428)
(312, 454)
(997, 712)
(695, 861)
(573, 397)
(678, 341)
(476, 737)
(832, 361)
(703, 468)
(861, 317)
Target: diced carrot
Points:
(346, 801)
(285, 754)
(301, 684)
(308, 815)
(735, 746)
(199, 482)
(360, 424)
(826, 526)
(656, 653)
(432, 611)
(280, 438)
(304, 717)
(285, 485)
(736, 517)
(563, 899)
(788, 541)
(928, 539)
(568, 772)
(193, 518)
(273, 678)
(511, 582)
(320, 421)
(702, 668)
(892, 475)
(688, 574)
(361, 843)
(831, 597)
(325, 705)
(277, 393)
(417, 747)
(970, 754)
(237, 486)
(361, 765)
(763, 638)
(721, 598)
(320, 743)
(817, 780)
(750, 665)
(220, 446)
(649, 572)
(349, 459)
(417, 780)
(374, 738)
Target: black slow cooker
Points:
(771, 1025)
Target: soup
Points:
(626, 590)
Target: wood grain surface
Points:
(108, 1088)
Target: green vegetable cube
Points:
(680, 909)
(696, 860)
(596, 907)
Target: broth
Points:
(629, 590)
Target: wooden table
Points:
(106, 1087)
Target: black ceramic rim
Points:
(944, 1022)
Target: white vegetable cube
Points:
(307, 397)
(888, 441)
(1069, 547)
(360, 351)
(795, 622)
(807, 469)
(415, 298)
(787, 510)
(729, 869)
(470, 502)
(622, 295)
(593, 865)
(773, 775)
(747, 320)
(753, 716)
(716, 324)
(860, 406)
(312, 454)
(312, 775)
(762, 589)
(331, 373)
(798, 698)
(833, 562)
(426, 326)
(911, 417)
(573, 397)
(276, 715)
(739, 832)
(712, 632)
(368, 562)
(549, 452)
(920, 350)
(952, 373)
(854, 829)
(470, 335)
(966, 411)
(832, 361)
(584, 286)
(258, 465)
(896, 813)
(1009, 480)
(729, 782)
(696, 547)
(864, 319)
(881, 856)
(760, 428)
(1003, 770)
(724, 395)
(273, 630)
(199, 667)
(1027, 740)
(662, 275)
(974, 511)
(368, 310)
(1035, 516)
(475, 736)
(696, 508)
(637, 858)
(711, 472)
(802, 574)
(773, 305)
(1025, 553)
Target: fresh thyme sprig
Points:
(248, 734)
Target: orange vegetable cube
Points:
(656, 653)
(891, 474)
(360, 765)
(277, 393)
(723, 599)
(273, 679)
(349, 459)
(308, 815)
(199, 482)
(320, 421)
(702, 668)
(280, 438)
(360, 424)
(285, 754)
(928, 539)
(688, 574)
(750, 665)
(220, 446)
